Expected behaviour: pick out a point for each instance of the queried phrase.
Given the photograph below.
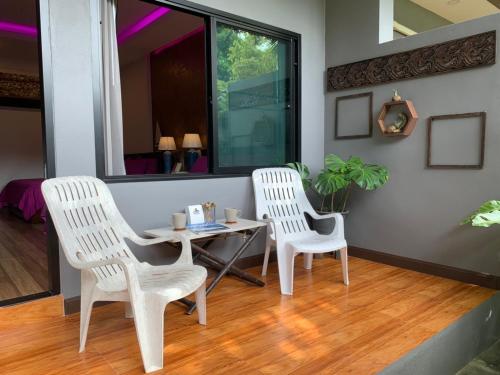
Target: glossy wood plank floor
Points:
(324, 328)
(23, 257)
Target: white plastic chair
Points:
(280, 200)
(92, 233)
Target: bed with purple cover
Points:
(25, 196)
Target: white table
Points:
(248, 229)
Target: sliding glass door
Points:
(29, 252)
(253, 120)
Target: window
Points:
(415, 16)
(253, 99)
(189, 92)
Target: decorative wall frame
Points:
(465, 53)
(369, 112)
(482, 129)
(410, 111)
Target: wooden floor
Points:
(23, 257)
(325, 328)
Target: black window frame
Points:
(212, 17)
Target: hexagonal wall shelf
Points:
(389, 109)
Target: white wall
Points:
(417, 213)
(147, 205)
(68, 39)
(21, 144)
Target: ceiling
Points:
(18, 11)
(459, 10)
(165, 29)
(18, 53)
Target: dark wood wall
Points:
(178, 79)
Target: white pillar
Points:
(386, 20)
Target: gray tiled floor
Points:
(486, 363)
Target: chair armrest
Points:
(127, 264)
(276, 226)
(317, 216)
(186, 255)
(148, 241)
(121, 261)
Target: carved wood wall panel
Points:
(19, 86)
(465, 53)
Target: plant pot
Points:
(326, 226)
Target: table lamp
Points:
(167, 144)
(192, 142)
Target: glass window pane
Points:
(253, 98)
(162, 60)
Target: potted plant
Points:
(336, 180)
(485, 216)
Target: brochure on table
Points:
(196, 220)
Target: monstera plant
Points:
(335, 182)
(485, 216)
(304, 174)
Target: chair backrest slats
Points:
(89, 225)
(279, 194)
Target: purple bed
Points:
(26, 196)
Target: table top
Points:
(241, 224)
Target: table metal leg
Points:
(219, 264)
(228, 265)
(186, 302)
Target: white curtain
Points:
(112, 99)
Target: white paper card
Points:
(195, 214)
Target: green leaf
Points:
(485, 216)
(303, 172)
(334, 163)
(329, 182)
(354, 162)
(369, 176)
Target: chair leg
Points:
(285, 268)
(308, 260)
(129, 313)
(201, 304)
(148, 318)
(266, 255)
(86, 302)
(343, 259)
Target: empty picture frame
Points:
(353, 116)
(456, 141)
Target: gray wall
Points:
(416, 214)
(149, 205)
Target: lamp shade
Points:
(191, 140)
(167, 144)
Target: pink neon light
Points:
(141, 24)
(17, 28)
(179, 39)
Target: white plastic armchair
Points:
(280, 201)
(92, 234)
